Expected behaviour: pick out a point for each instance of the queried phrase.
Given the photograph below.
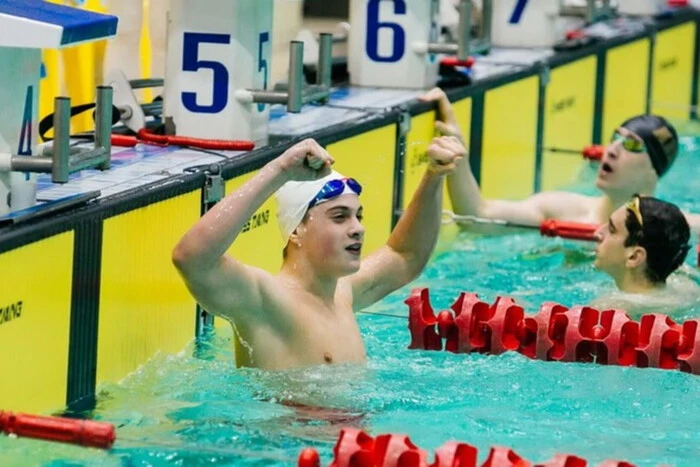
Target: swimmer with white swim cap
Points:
(304, 315)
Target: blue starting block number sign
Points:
(191, 62)
(377, 27)
(518, 10)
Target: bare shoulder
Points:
(239, 293)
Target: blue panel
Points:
(78, 25)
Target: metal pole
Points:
(38, 164)
(153, 108)
(443, 48)
(464, 29)
(486, 21)
(296, 76)
(590, 13)
(86, 159)
(146, 83)
(103, 124)
(325, 60)
(269, 97)
(61, 141)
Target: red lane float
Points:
(355, 448)
(555, 333)
(593, 152)
(564, 229)
(64, 430)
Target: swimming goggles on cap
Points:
(335, 188)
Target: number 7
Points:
(517, 12)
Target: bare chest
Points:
(327, 336)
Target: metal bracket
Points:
(213, 193)
(545, 72)
(214, 187)
(404, 123)
(404, 128)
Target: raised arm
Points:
(411, 243)
(223, 285)
(464, 191)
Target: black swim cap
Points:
(664, 233)
(660, 138)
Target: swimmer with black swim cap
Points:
(642, 149)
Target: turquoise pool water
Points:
(196, 408)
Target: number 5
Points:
(191, 62)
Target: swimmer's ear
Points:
(636, 257)
(294, 238)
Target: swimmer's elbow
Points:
(180, 257)
(184, 257)
(414, 268)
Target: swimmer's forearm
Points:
(205, 243)
(416, 233)
(461, 185)
(464, 191)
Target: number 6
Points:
(373, 27)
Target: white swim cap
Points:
(293, 199)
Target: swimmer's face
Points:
(333, 235)
(612, 256)
(623, 171)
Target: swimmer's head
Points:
(646, 235)
(321, 223)
(642, 149)
(294, 199)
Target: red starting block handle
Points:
(220, 144)
(563, 229)
(124, 141)
(454, 61)
(63, 430)
(593, 152)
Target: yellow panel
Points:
(673, 72)
(144, 304)
(568, 121)
(626, 83)
(35, 333)
(369, 157)
(509, 140)
(417, 141)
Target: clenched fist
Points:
(306, 160)
(443, 154)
